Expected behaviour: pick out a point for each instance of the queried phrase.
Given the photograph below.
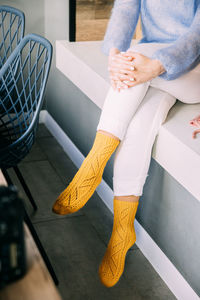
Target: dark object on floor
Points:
(12, 245)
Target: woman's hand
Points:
(195, 122)
(117, 62)
(130, 68)
(145, 68)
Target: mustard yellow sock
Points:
(88, 176)
(123, 237)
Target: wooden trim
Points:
(72, 20)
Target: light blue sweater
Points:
(164, 21)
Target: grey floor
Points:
(76, 243)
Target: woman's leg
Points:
(185, 88)
(133, 155)
(117, 112)
(131, 165)
(119, 109)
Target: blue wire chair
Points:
(21, 101)
(12, 23)
(20, 104)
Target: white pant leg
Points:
(119, 108)
(133, 155)
(119, 112)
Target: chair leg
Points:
(40, 248)
(25, 187)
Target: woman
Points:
(146, 79)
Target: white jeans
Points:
(135, 115)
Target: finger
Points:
(122, 70)
(128, 83)
(128, 65)
(192, 123)
(119, 62)
(121, 57)
(124, 82)
(115, 76)
(127, 53)
(121, 85)
(195, 123)
(122, 77)
(195, 133)
(113, 84)
(131, 53)
(124, 57)
(117, 85)
(131, 84)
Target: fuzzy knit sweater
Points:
(163, 21)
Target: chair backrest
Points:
(12, 22)
(22, 98)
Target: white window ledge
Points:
(174, 149)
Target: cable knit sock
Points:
(88, 176)
(123, 237)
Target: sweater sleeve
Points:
(182, 55)
(121, 25)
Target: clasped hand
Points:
(127, 69)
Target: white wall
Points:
(34, 14)
(56, 27)
(49, 18)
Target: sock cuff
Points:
(103, 139)
(121, 204)
(125, 203)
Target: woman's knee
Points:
(151, 113)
